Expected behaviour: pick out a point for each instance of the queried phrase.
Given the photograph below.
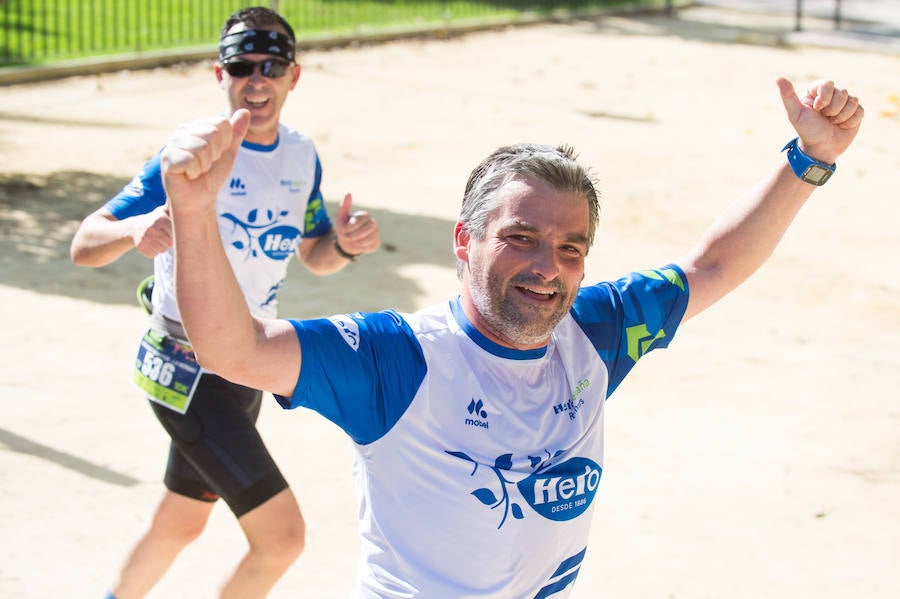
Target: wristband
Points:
(343, 253)
(807, 168)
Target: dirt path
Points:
(758, 457)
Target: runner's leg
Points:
(178, 521)
(275, 532)
(220, 453)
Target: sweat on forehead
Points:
(256, 41)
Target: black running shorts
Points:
(216, 450)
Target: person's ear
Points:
(218, 70)
(461, 242)
(295, 75)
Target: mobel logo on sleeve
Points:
(807, 168)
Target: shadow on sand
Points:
(39, 216)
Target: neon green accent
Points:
(162, 394)
(311, 209)
(639, 340)
(670, 274)
(650, 274)
(155, 338)
(141, 298)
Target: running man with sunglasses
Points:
(270, 209)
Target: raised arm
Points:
(264, 354)
(826, 120)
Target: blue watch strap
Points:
(801, 163)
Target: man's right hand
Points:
(198, 159)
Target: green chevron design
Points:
(670, 274)
(640, 340)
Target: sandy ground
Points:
(760, 456)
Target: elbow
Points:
(82, 255)
(320, 271)
(212, 362)
(80, 247)
(203, 360)
(83, 259)
(223, 350)
(223, 365)
(78, 256)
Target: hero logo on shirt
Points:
(557, 492)
(564, 491)
(279, 243)
(259, 233)
(348, 329)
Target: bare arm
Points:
(745, 235)
(264, 354)
(357, 234)
(102, 238)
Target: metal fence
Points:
(36, 32)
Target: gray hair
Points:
(556, 166)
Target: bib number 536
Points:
(158, 370)
(165, 368)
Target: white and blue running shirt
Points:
(477, 465)
(269, 203)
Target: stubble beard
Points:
(509, 321)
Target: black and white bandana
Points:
(256, 41)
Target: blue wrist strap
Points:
(800, 162)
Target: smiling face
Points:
(264, 97)
(523, 277)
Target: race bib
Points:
(165, 368)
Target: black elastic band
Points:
(344, 253)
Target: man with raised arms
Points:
(477, 424)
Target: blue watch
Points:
(807, 168)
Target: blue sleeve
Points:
(142, 195)
(632, 316)
(316, 222)
(360, 371)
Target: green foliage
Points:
(42, 31)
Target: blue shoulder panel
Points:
(632, 316)
(361, 371)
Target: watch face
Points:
(816, 174)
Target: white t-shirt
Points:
(269, 203)
(477, 465)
